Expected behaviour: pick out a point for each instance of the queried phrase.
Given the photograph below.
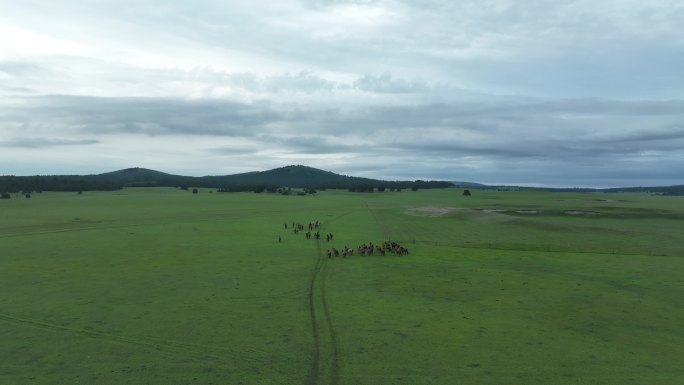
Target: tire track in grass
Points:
(335, 372)
(319, 271)
(312, 378)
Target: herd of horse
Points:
(362, 250)
(369, 249)
(297, 227)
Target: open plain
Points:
(162, 286)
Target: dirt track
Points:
(317, 285)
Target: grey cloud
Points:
(45, 142)
(528, 137)
(23, 68)
(593, 143)
(387, 87)
(232, 150)
(107, 76)
(623, 49)
(385, 83)
(457, 150)
(559, 129)
(664, 134)
(287, 82)
(330, 3)
(334, 144)
(151, 116)
(21, 90)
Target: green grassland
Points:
(160, 286)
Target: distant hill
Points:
(289, 176)
(136, 176)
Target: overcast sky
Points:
(534, 92)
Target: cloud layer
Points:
(576, 93)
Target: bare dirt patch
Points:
(435, 211)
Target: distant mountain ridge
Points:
(289, 176)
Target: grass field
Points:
(160, 286)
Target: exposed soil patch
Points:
(527, 211)
(435, 211)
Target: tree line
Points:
(269, 182)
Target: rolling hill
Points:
(289, 176)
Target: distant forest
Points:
(275, 180)
(665, 190)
